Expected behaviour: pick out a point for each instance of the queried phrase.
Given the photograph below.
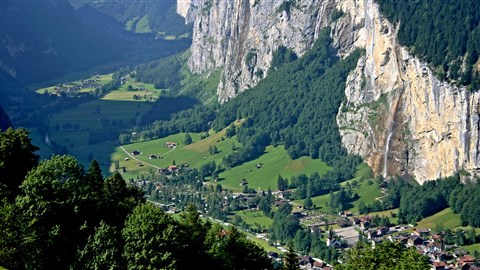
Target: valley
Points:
(336, 131)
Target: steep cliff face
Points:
(240, 37)
(397, 115)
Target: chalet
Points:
(272, 255)
(139, 164)
(465, 262)
(414, 241)
(315, 228)
(170, 144)
(433, 247)
(127, 159)
(421, 231)
(297, 214)
(318, 265)
(443, 256)
(365, 224)
(136, 153)
(243, 183)
(173, 168)
(280, 202)
(152, 157)
(439, 266)
(259, 165)
(304, 260)
(372, 234)
(333, 243)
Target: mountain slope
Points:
(158, 16)
(397, 114)
(42, 40)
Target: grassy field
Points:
(255, 217)
(72, 127)
(130, 23)
(195, 154)
(445, 218)
(386, 213)
(142, 25)
(99, 80)
(263, 244)
(367, 189)
(275, 161)
(472, 248)
(145, 92)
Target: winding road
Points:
(149, 164)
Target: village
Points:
(341, 231)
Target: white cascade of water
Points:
(385, 156)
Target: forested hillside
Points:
(142, 16)
(296, 105)
(53, 214)
(42, 40)
(444, 33)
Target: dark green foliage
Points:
(208, 168)
(212, 149)
(10, 236)
(163, 73)
(4, 120)
(417, 202)
(466, 202)
(150, 239)
(103, 250)
(282, 56)
(291, 261)
(282, 183)
(441, 32)
(283, 109)
(17, 157)
(188, 139)
(385, 256)
(230, 249)
(119, 199)
(285, 225)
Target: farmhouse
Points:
(136, 153)
(152, 157)
(170, 144)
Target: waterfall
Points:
(385, 156)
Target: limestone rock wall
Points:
(398, 116)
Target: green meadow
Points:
(143, 91)
(99, 81)
(367, 190)
(445, 218)
(73, 127)
(253, 217)
(274, 162)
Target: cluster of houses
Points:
(73, 88)
(441, 256)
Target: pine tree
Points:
(291, 261)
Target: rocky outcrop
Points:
(397, 115)
(240, 37)
(187, 9)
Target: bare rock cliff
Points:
(398, 116)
